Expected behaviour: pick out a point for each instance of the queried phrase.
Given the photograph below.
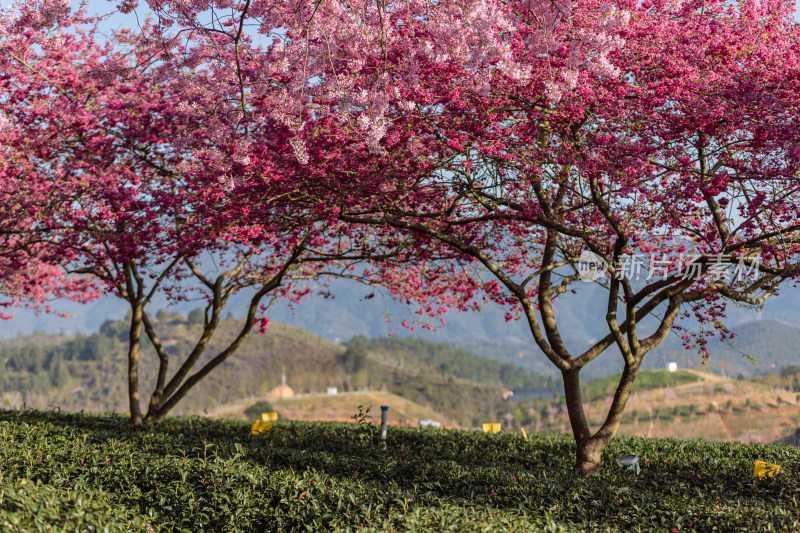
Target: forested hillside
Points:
(88, 371)
(440, 360)
(485, 333)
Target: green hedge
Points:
(191, 474)
(28, 506)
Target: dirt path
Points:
(713, 378)
(724, 426)
(235, 409)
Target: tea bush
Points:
(28, 506)
(73, 472)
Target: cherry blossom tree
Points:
(307, 61)
(528, 136)
(153, 180)
(601, 134)
(679, 152)
(29, 269)
(147, 181)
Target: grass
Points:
(75, 472)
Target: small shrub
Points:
(362, 417)
(752, 404)
(255, 410)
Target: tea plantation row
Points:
(71, 472)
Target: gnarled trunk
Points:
(166, 396)
(589, 447)
(589, 454)
(133, 364)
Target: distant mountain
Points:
(773, 343)
(350, 313)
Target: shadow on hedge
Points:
(459, 467)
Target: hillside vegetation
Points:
(87, 372)
(71, 472)
(713, 407)
(646, 380)
(686, 404)
(446, 383)
(788, 378)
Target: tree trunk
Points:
(589, 448)
(589, 454)
(156, 415)
(164, 398)
(163, 364)
(168, 401)
(133, 364)
(178, 387)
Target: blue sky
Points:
(129, 21)
(117, 20)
